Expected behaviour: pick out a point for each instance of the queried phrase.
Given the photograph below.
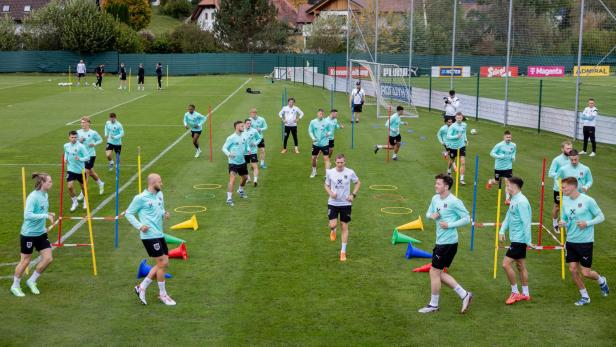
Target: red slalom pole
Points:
(60, 215)
(209, 113)
(541, 202)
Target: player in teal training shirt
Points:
(557, 163)
(320, 130)
(252, 138)
(333, 119)
(75, 156)
(393, 128)
(259, 123)
(441, 135)
(504, 156)
(234, 148)
(580, 214)
(114, 132)
(456, 135)
(577, 170)
(449, 213)
(149, 207)
(194, 120)
(90, 139)
(34, 234)
(518, 222)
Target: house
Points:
(19, 9)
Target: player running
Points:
(90, 138)
(114, 132)
(252, 138)
(259, 123)
(577, 170)
(504, 154)
(234, 148)
(319, 130)
(557, 163)
(441, 135)
(75, 156)
(333, 120)
(393, 125)
(194, 120)
(456, 135)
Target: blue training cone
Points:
(414, 252)
(144, 270)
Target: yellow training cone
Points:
(414, 225)
(189, 224)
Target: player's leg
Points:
(27, 248)
(162, 263)
(232, 175)
(507, 262)
(592, 141)
(357, 115)
(295, 143)
(585, 250)
(344, 238)
(586, 132)
(523, 273)
(261, 152)
(462, 167)
(255, 170)
(448, 252)
(555, 212)
(195, 140)
(287, 132)
(332, 215)
(326, 160)
(579, 283)
(70, 185)
(82, 186)
(313, 162)
(44, 248)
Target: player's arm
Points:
(132, 210)
(526, 215)
(463, 215)
(97, 139)
(356, 185)
(494, 153)
(514, 152)
(311, 132)
(281, 113)
(225, 148)
(596, 212)
(450, 134)
(588, 180)
(106, 130)
(455, 102)
(504, 227)
(327, 185)
(301, 113)
(264, 124)
(185, 120)
(29, 210)
(553, 171)
(83, 154)
(431, 213)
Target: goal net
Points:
(385, 85)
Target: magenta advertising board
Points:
(546, 71)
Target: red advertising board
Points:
(498, 71)
(341, 71)
(546, 71)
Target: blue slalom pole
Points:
(474, 202)
(117, 202)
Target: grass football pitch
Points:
(264, 272)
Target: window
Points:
(207, 15)
(27, 8)
(5, 8)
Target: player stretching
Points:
(441, 135)
(114, 132)
(34, 235)
(149, 206)
(234, 148)
(252, 138)
(75, 156)
(290, 115)
(557, 163)
(504, 155)
(580, 214)
(333, 119)
(393, 124)
(338, 187)
(194, 120)
(90, 138)
(449, 213)
(259, 123)
(456, 135)
(319, 130)
(518, 222)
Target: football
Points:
(473, 131)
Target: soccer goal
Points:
(386, 86)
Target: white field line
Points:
(25, 84)
(109, 108)
(134, 177)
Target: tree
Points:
(176, 8)
(8, 38)
(327, 35)
(189, 38)
(139, 11)
(247, 25)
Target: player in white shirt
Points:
(338, 187)
(452, 105)
(81, 72)
(290, 115)
(589, 122)
(357, 99)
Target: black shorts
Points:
(115, 148)
(72, 176)
(453, 153)
(90, 163)
(123, 77)
(140, 80)
(331, 143)
(28, 243)
(251, 158)
(261, 144)
(81, 75)
(357, 107)
(579, 253)
(344, 212)
(155, 247)
(442, 255)
(498, 174)
(317, 149)
(240, 169)
(516, 251)
(192, 132)
(557, 197)
(395, 139)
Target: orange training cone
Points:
(189, 224)
(179, 252)
(426, 268)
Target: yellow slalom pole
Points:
(562, 230)
(89, 218)
(70, 88)
(129, 77)
(498, 205)
(167, 79)
(139, 169)
(457, 169)
(23, 195)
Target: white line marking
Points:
(26, 84)
(134, 177)
(107, 109)
(9, 264)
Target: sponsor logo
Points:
(546, 71)
(397, 92)
(342, 71)
(498, 71)
(601, 70)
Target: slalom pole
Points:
(497, 225)
(89, 217)
(353, 128)
(60, 215)
(562, 230)
(23, 186)
(209, 113)
(129, 77)
(167, 79)
(388, 131)
(458, 170)
(474, 202)
(117, 201)
(541, 202)
(139, 169)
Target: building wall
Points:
(206, 19)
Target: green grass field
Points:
(264, 272)
(557, 92)
(160, 23)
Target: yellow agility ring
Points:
(396, 210)
(382, 187)
(190, 209)
(207, 186)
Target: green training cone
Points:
(401, 238)
(173, 239)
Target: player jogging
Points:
(338, 187)
(234, 148)
(441, 135)
(504, 155)
(319, 130)
(114, 132)
(333, 119)
(577, 170)
(90, 138)
(518, 222)
(75, 156)
(393, 125)
(557, 163)
(252, 138)
(149, 207)
(456, 135)
(259, 123)
(580, 214)
(290, 115)
(194, 120)
(34, 235)
(449, 213)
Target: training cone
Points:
(401, 238)
(414, 225)
(173, 239)
(144, 270)
(179, 252)
(426, 268)
(414, 252)
(189, 224)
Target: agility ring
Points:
(396, 210)
(207, 186)
(190, 209)
(194, 196)
(389, 197)
(383, 187)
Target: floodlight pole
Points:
(376, 32)
(411, 15)
(579, 63)
(508, 62)
(453, 42)
(348, 28)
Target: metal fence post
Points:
(540, 97)
(430, 93)
(477, 97)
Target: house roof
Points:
(17, 8)
(303, 16)
(384, 5)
